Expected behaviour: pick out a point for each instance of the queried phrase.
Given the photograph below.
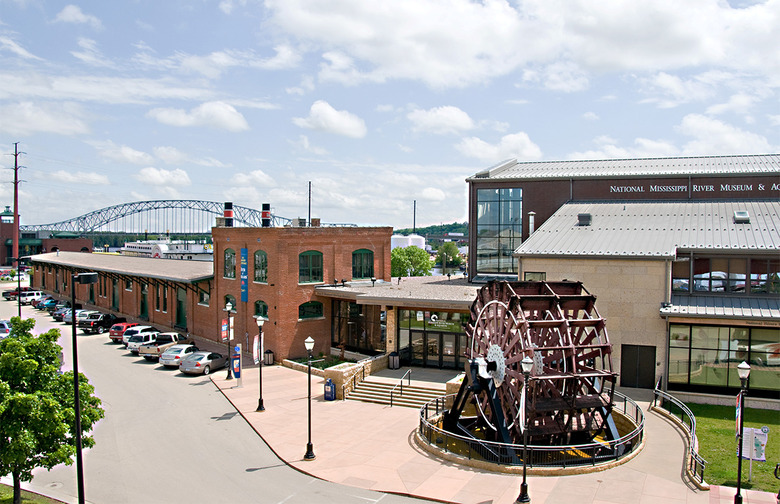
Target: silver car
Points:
(202, 362)
(5, 329)
(172, 356)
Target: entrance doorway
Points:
(436, 349)
(637, 366)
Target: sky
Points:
(379, 104)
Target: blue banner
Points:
(244, 275)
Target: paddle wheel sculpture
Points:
(572, 382)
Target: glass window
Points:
(765, 358)
(261, 309)
(128, 284)
(534, 276)
(230, 264)
(765, 276)
(499, 229)
(310, 267)
(203, 298)
(362, 264)
(312, 309)
(230, 299)
(737, 275)
(261, 267)
(680, 275)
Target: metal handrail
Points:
(345, 386)
(695, 468)
(538, 455)
(401, 384)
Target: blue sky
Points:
(377, 103)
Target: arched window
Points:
(261, 309)
(312, 309)
(230, 264)
(261, 267)
(310, 266)
(362, 264)
(230, 299)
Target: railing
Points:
(351, 380)
(401, 384)
(697, 464)
(538, 456)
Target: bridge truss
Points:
(157, 217)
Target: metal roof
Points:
(753, 307)
(656, 229)
(164, 269)
(512, 169)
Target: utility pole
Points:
(15, 249)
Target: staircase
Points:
(379, 392)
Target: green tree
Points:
(37, 417)
(410, 261)
(448, 256)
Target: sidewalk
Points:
(371, 446)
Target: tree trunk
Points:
(17, 489)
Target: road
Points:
(168, 437)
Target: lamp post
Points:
(743, 371)
(82, 278)
(527, 365)
(309, 344)
(260, 321)
(229, 309)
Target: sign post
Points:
(235, 362)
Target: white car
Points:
(174, 355)
(139, 329)
(137, 340)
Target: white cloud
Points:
(88, 178)
(565, 76)
(304, 144)
(711, 136)
(739, 103)
(590, 116)
(215, 114)
(26, 118)
(672, 90)
(227, 6)
(323, 117)
(433, 194)
(516, 145)
(172, 155)
(253, 179)
(6, 44)
(90, 54)
(608, 148)
(73, 14)
(440, 120)
(122, 153)
(214, 64)
(157, 177)
(306, 86)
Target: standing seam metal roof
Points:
(512, 169)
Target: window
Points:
(261, 309)
(534, 276)
(128, 285)
(230, 299)
(499, 229)
(261, 267)
(157, 297)
(165, 299)
(310, 267)
(362, 264)
(312, 309)
(203, 298)
(230, 264)
(722, 275)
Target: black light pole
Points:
(229, 309)
(743, 370)
(260, 322)
(309, 344)
(526, 364)
(82, 278)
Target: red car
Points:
(117, 330)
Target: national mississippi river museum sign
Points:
(698, 187)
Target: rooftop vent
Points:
(583, 219)
(741, 217)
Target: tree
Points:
(410, 261)
(37, 415)
(448, 256)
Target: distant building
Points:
(37, 242)
(169, 249)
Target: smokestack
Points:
(531, 223)
(265, 215)
(228, 214)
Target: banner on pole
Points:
(224, 330)
(256, 350)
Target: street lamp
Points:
(309, 344)
(527, 365)
(260, 321)
(229, 309)
(743, 371)
(82, 278)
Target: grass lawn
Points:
(716, 430)
(7, 497)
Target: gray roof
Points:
(763, 164)
(164, 269)
(753, 307)
(656, 229)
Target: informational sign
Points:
(235, 361)
(754, 443)
(225, 330)
(244, 272)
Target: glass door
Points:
(432, 349)
(418, 348)
(449, 350)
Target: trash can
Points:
(330, 390)
(268, 358)
(394, 362)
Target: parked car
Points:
(5, 329)
(11, 294)
(202, 363)
(80, 315)
(164, 341)
(58, 305)
(99, 322)
(139, 329)
(46, 305)
(136, 341)
(59, 313)
(173, 355)
(36, 302)
(28, 297)
(118, 329)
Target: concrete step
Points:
(379, 392)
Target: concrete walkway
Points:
(371, 446)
